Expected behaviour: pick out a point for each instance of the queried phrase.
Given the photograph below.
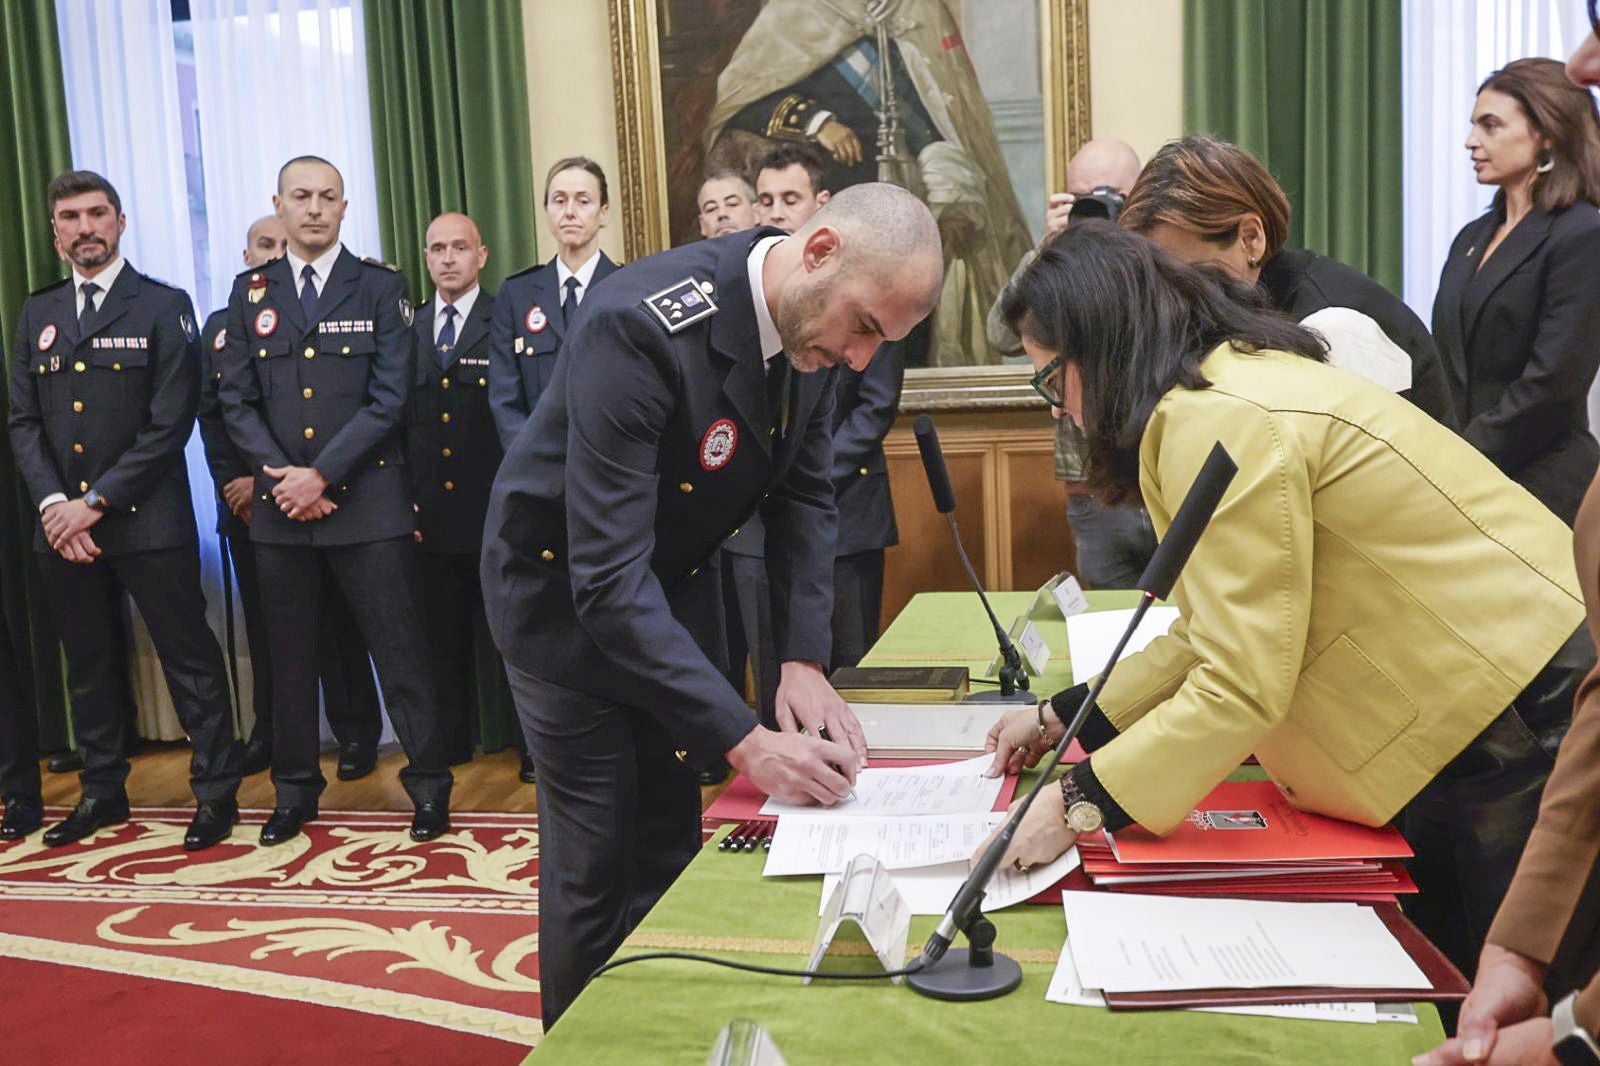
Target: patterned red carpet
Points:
(349, 944)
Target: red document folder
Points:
(741, 801)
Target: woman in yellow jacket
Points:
(1386, 621)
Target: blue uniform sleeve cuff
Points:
(1097, 729)
(1089, 786)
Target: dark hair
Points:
(797, 154)
(1137, 322)
(1208, 186)
(297, 160)
(1564, 114)
(578, 162)
(726, 172)
(76, 183)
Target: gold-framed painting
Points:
(990, 98)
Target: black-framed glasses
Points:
(1047, 383)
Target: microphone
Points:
(1012, 675)
(978, 973)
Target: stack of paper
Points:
(1246, 839)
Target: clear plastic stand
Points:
(865, 905)
(744, 1043)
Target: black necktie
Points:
(777, 379)
(447, 336)
(308, 293)
(86, 316)
(569, 300)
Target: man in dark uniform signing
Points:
(683, 417)
(316, 373)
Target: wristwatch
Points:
(1573, 1045)
(96, 502)
(1081, 815)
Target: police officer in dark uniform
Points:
(104, 387)
(453, 453)
(316, 374)
(20, 787)
(348, 689)
(534, 309)
(684, 416)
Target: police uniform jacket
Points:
(526, 337)
(609, 506)
(329, 394)
(222, 457)
(451, 445)
(111, 410)
(864, 411)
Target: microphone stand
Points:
(1012, 674)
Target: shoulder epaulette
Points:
(683, 304)
(370, 261)
(53, 285)
(525, 271)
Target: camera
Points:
(1104, 202)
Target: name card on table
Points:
(865, 905)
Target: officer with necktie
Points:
(535, 309)
(453, 453)
(104, 387)
(317, 371)
(348, 690)
(704, 393)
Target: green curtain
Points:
(34, 139)
(1312, 87)
(450, 133)
(450, 127)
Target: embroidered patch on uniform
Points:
(120, 343)
(681, 305)
(47, 337)
(405, 307)
(516, 346)
(186, 323)
(221, 340)
(257, 288)
(536, 320)
(719, 443)
(266, 322)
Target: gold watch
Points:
(1081, 815)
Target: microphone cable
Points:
(917, 965)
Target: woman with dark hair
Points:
(1335, 615)
(1516, 317)
(1208, 201)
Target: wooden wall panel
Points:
(1040, 540)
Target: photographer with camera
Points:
(1114, 543)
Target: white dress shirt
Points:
(771, 343)
(320, 267)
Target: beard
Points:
(797, 311)
(91, 252)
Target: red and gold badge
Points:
(47, 337)
(536, 320)
(266, 322)
(257, 288)
(719, 444)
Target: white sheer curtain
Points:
(122, 106)
(1450, 46)
(276, 79)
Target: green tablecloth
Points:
(669, 1012)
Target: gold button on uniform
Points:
(310, 352)
(449, 486)
(345, 350)
(79, 367)
(310, 433)
(78, 448)
(381, 462)
(483, 381)
(83, 486)
(445, 417)
(445, 452)
(77, 405)
(685, 486)
(262, 353)
(548, 556)
(864, 471)
(307, 393)
(116, 366)
(444, 383)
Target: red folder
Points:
(741, 801)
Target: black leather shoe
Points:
(431, 820)
(285, 825)
(213, 823)
(23, 816)
(356, 760)
(65, 762)
(86, 817)
(257, 757)
(526, 773)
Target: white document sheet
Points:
(1065, 987)
(929, 889)
(1133, 943)
(1092, 637)
(953, 788)
(825, 843)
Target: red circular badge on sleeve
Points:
(719, 444)
(266, 322)
(47, 337)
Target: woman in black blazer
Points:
(1517, 316)
(1208, 201)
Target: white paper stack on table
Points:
(1092, 637)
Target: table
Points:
(666, 1012)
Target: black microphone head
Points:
(944, 497)
(1190, 521)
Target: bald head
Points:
(1104, 161)
(456, 254)
(264, 241)
(882, 227)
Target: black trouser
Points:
(85, 602)
(383, 587)
(619, 819)
(465, 658)
(1114, 543)
(857, 603)
(348, 690)
(19, 729)
(748, 601)
(1469, 825)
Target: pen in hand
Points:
(822, 733)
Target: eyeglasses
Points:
(1046, 383)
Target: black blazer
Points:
(1521, 342)
(222, 456)
(1302, 283)
(451, 445)
(329, 394)
(525, 340)
(110, 411)
(609, 505)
